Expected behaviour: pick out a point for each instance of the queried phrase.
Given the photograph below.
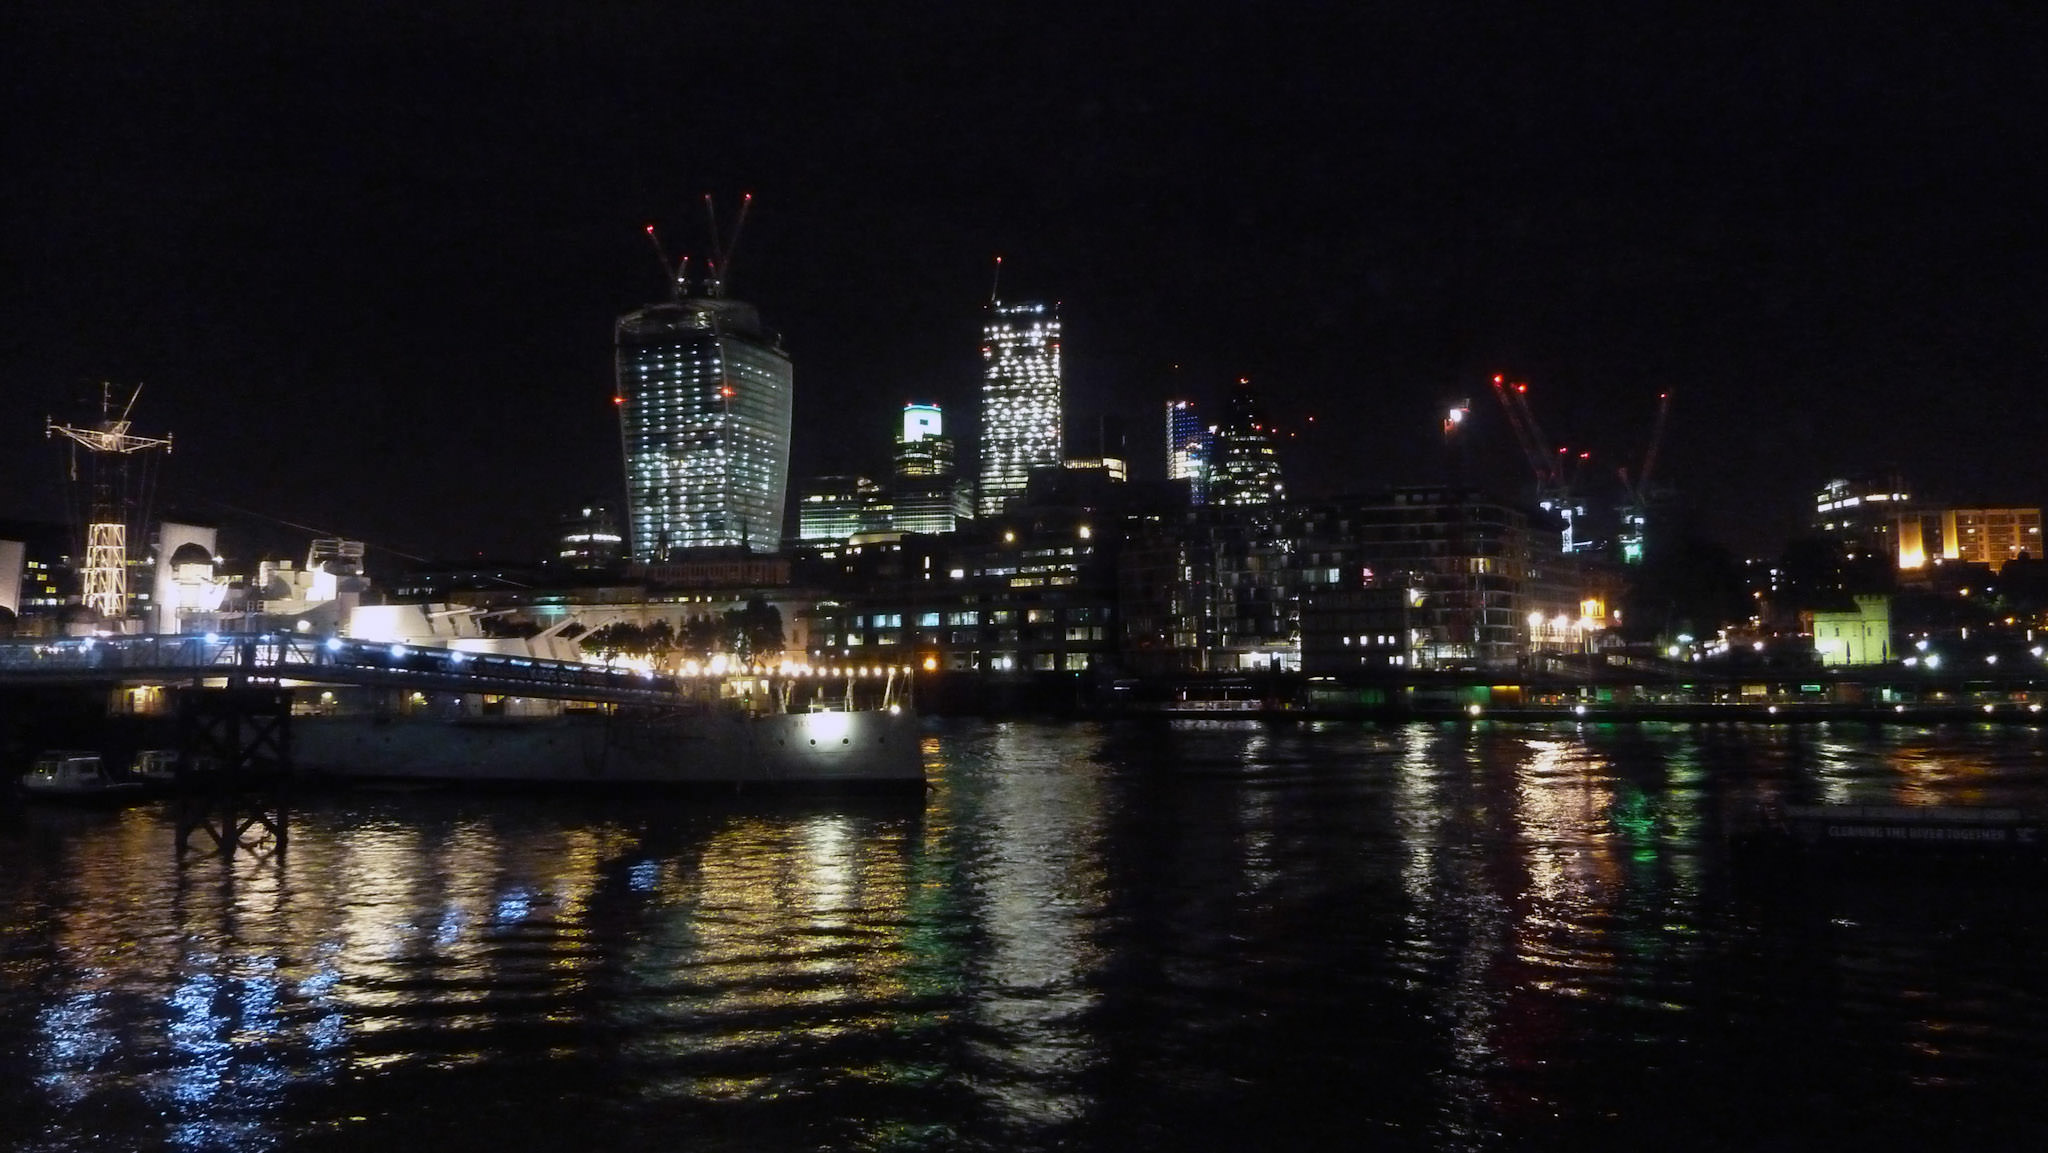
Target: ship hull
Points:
(824, 750)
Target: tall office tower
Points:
(588, 537)
(832, 508)
(1020, 399)
(1187, 448)
(927, 494)
(1245, 469)
(704, 398)
(923, 449)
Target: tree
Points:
(616, 639)
(754, 632)
(700, 638)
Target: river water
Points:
(1188, 936)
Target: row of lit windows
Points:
(1073, 614)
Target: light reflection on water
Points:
(1199, 936)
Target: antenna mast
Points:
(106, 534)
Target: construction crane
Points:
(719, 269)
(1635, 510)
(677, 274)
(109, 444)
(1557, 472)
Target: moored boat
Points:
(734, 732)
(77, 778)
(155, 768)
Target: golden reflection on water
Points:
(1857, 764)
(1527, 885)
(1531, 860)
(274, 969)
(1038, 885)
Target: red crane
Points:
(1557, 472)
(1556, 469)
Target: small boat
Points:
(156, 768)
(78, 778)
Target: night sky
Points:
(365, 258)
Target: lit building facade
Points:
(589, 537)
(1986, 536)
(1008, 597)
(1020, 400)
(923, 448)
(927, 494)
(1862, 515)
(1244, 468)
(13, 565)
(1858, 636)
(704, 398)
(38, 574)
(833, 508)
(1187, 447)
(1438, 578)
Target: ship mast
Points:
(109, 443)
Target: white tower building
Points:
(1020, 399)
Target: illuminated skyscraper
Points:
(923, 449)
(1187, 447)
(928, 494)
(1245, 469)
(832, 508)
(1020, 399)
(704, 396)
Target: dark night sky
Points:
(365, 257)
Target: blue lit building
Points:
(704, 398)
(1187, 448)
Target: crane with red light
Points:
(719, 268)
(1557, 473)
(677, 274)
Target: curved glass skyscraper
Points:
(704, 397)
(1244, 469)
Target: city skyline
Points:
(389, 255)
